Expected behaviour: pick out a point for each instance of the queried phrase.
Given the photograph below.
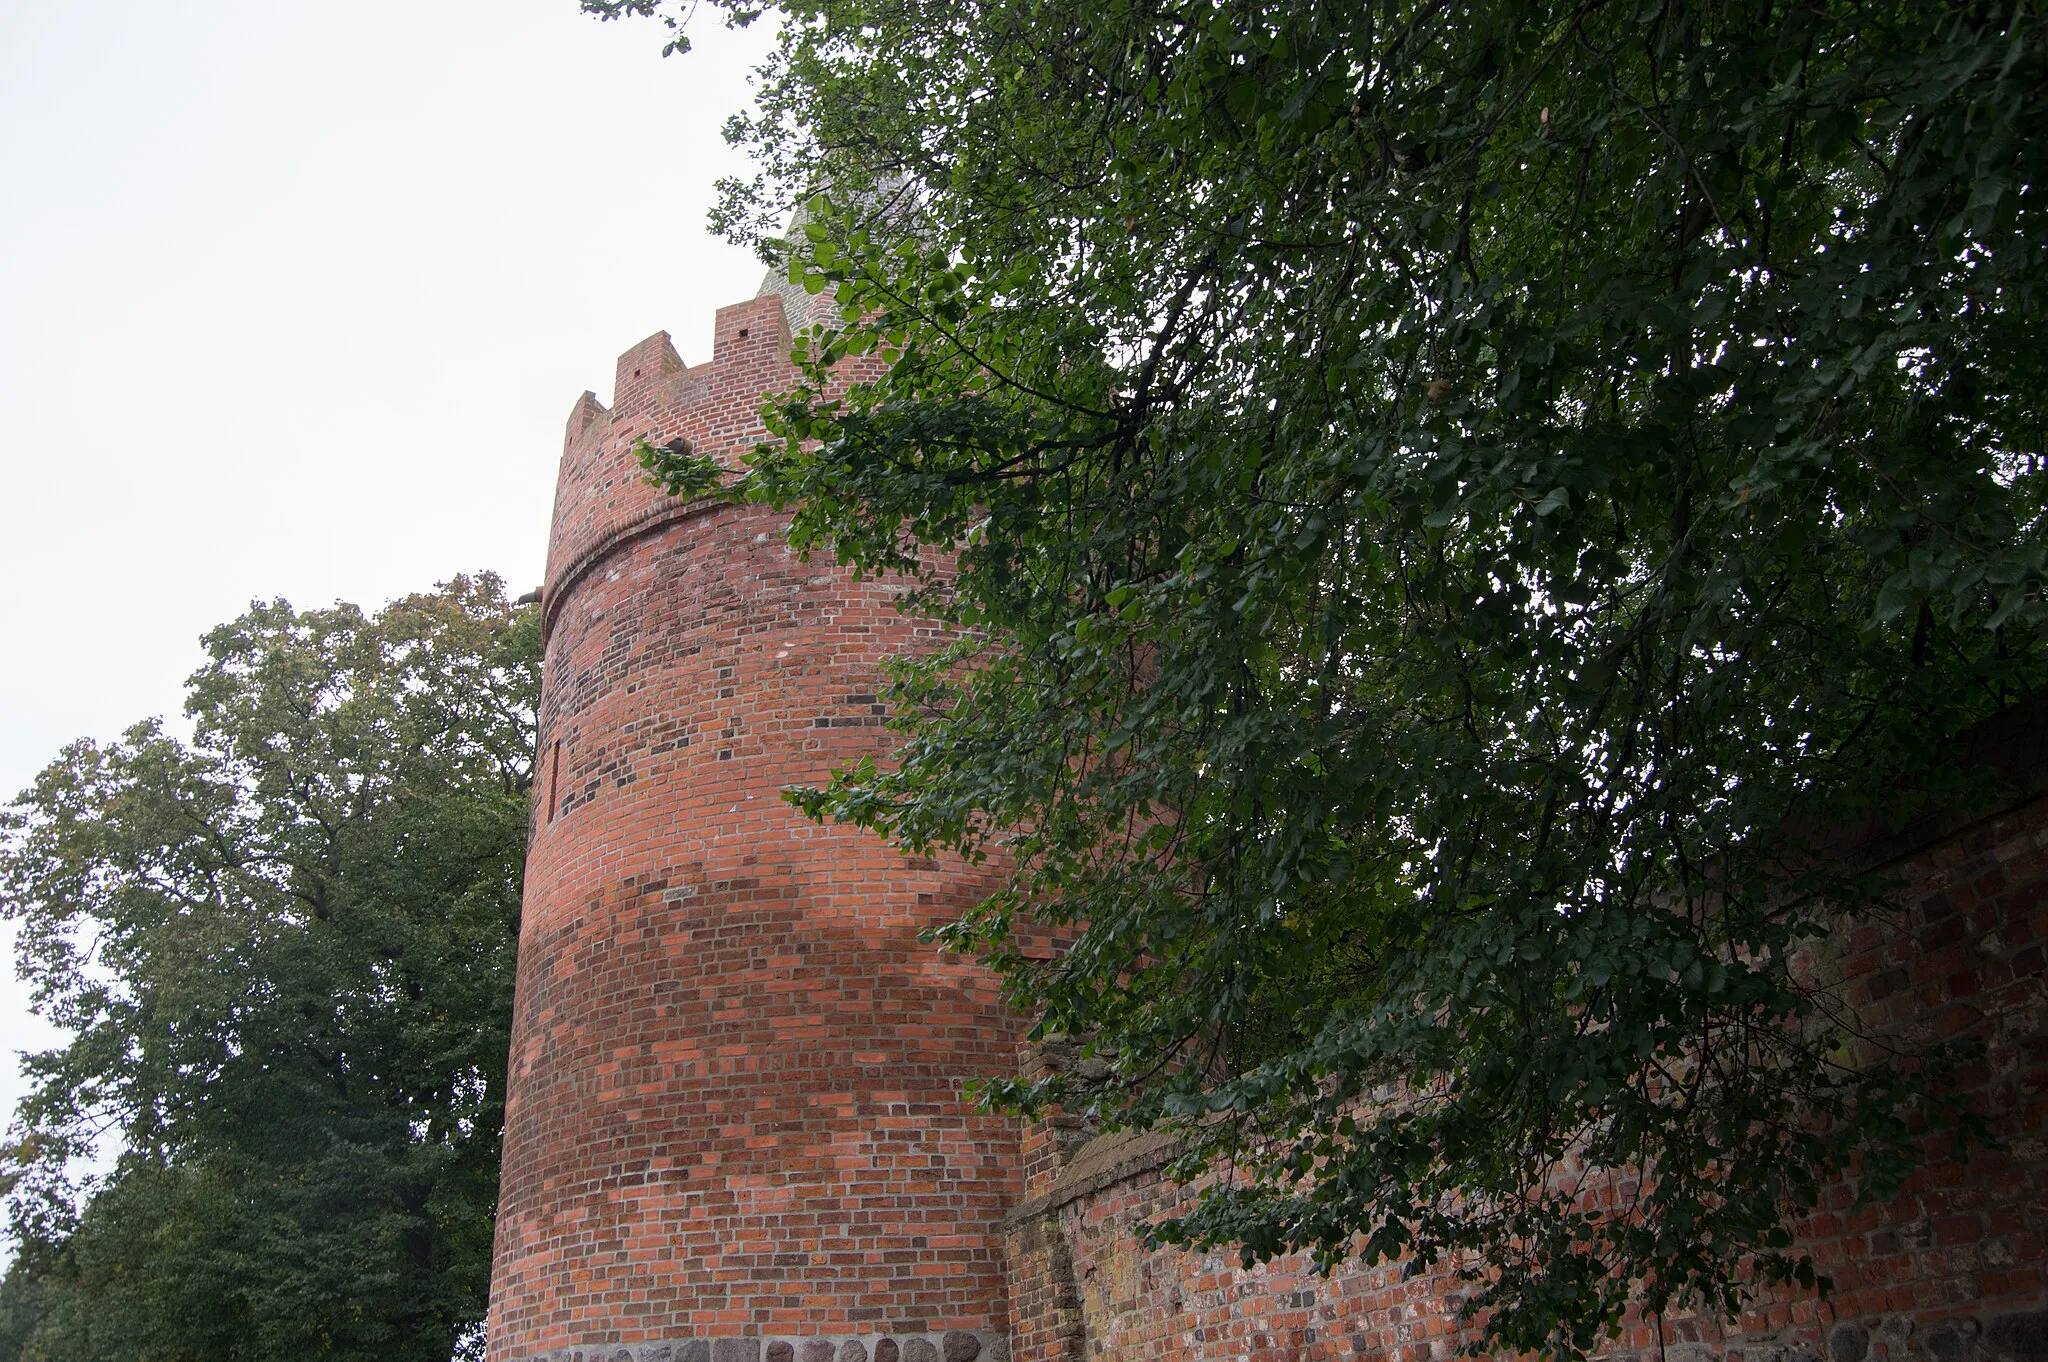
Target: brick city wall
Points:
(1952, 1271)
(734, 1129)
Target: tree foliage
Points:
(284, 953)
(1434, 499)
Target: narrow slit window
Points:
(554, 780)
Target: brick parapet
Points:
(602, 493)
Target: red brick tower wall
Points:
(734, 1126)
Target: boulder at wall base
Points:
(2019, 1338)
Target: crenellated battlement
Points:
(644, 372)
(602, 497)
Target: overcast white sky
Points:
(295, 299)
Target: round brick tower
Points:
(734, 1126)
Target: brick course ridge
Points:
(652, 520)
(1101, 1164)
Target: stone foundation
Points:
(958, 1345)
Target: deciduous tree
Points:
(283, 950)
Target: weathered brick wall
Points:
(735, 1127)
(1952, 1271)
